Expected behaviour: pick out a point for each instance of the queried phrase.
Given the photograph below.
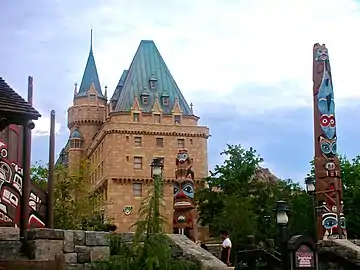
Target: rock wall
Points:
(78, 249)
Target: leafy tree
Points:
(74, 206)
(350, 176)
(239, 202)
(151, 249)
(39, 175)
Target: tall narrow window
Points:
(137, 189)
(137, 141)
(159, 142)
(177, 119)
(138, 163)
(157, 118)
(136, 117)
(181, 143)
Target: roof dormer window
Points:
(153, 82)
(165, 101)
(145, 96)
(165, 98)
(92, 96)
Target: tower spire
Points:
(91, 40)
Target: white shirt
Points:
(227, 243)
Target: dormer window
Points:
(152, 84)
(153, 81)
(165, 100)
(177, 119)
(145, 96)
(145, 100)
(92, 96)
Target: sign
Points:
(128, 209)
(304, 257)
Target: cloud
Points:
(42, 126)
(252, 60)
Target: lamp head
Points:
(156, 167)
(281, 213)
(310, 184)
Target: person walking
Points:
(226, 247)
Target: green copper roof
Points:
(76, 134)
(90, 75)
(119, 86)
(148, 74)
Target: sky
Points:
(245, 65)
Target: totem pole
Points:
(331, 223)
(184, 205)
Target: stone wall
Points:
(78, 249)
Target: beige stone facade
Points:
(121, 145)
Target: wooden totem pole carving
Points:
(331, 223)
(184, 205)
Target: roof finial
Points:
(91, 39)
(191, 107)
(105, 91)
(75, 89)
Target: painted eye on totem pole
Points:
(329, 223)
(343, 222)
(3, 153)
(176, 190)
(325, 147)
(324, 120)
(334, 147)
(332, 121)
(188, 189)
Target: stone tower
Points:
(146, 118)
(87, 114)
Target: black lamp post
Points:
(156, 173)
(282, 220)
(311, 190)
(156, 168)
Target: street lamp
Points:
(156, 173)
(311, 190)
(282, 220)
(156, 167)
(310, 184)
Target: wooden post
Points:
(50, 208)
(24, 222)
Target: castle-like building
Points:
(147, 117)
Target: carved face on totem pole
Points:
(327, 167)
(11, 175)
(183, 191)
(184, 182)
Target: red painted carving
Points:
(11, 175)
